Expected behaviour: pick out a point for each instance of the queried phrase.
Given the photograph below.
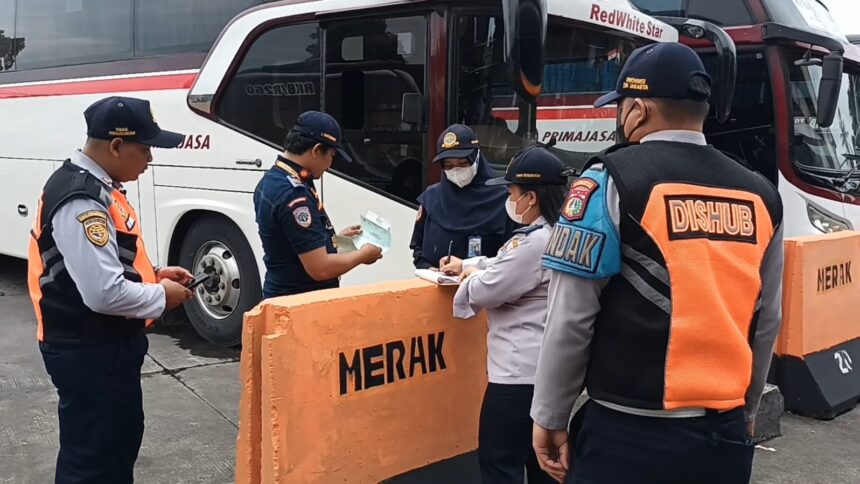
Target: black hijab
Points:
(475, 208)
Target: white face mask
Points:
(511, 208)
(462, 176)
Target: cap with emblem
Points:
(659, 71)
(533, 166)
(130, 119)
(323, 128)
(457, 141)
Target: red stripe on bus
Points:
(148, 83)
(561, 114)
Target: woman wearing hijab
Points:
(460, 215)
(512, 287)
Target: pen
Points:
(450, 244)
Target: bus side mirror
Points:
(525, 45)
(723, 83)
(411, 111)
(828, 89)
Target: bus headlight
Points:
(825, 221)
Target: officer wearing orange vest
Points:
(94, 290)
(664, 295)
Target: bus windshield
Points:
(830, 149)
(581, 65)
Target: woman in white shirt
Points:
(513, 288)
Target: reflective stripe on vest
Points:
(706, 235)
(127, 225)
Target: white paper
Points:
(374, 230)
(437, 277)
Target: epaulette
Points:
(529, 229)
(295, 181)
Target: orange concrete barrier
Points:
(818, 349)
(358, 384)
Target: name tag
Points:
(474, 246)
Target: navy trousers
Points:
(100, 409)
(611, 447)
(505, 450)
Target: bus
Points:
(394, 72)
(795, 116)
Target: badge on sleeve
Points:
(303, 216)
(577, 200)
(95, 227)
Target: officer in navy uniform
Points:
(512, 287)
(297, 234)
(664, 295)
(461, 211)
(94, 290)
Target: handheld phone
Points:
(199, 280)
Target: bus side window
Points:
(370, 65)
(170, 27)
(278, 79)
(61, 32)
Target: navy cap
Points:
(130, 119)
(658, 71)
(533, 166)
(457, 141)
(322, 128)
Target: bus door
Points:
(374, 68)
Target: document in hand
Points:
(344, 244)
(374, 230)
(437, 277)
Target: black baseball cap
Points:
(457, 141)
(322, 128)
(130, 119)
(533, 166)
(659, 71)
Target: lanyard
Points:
(292, 171)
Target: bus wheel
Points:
(215, 246)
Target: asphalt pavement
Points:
(191, 396)
(190, 388)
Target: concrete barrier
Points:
(817, 365)
(360, 385)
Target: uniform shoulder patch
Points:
(510, 245)
(420, 213)
(298, 201)
(577, 200)
(302, 215)
(95, 225)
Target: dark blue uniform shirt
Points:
(291, 220)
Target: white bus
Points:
(396, 74)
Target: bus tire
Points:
(216, 246)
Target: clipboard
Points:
(437, 277)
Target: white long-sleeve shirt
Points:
(97, 271)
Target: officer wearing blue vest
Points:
(296, 232)
(664, 297)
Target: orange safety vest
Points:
(61, 313)
(675, 326)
